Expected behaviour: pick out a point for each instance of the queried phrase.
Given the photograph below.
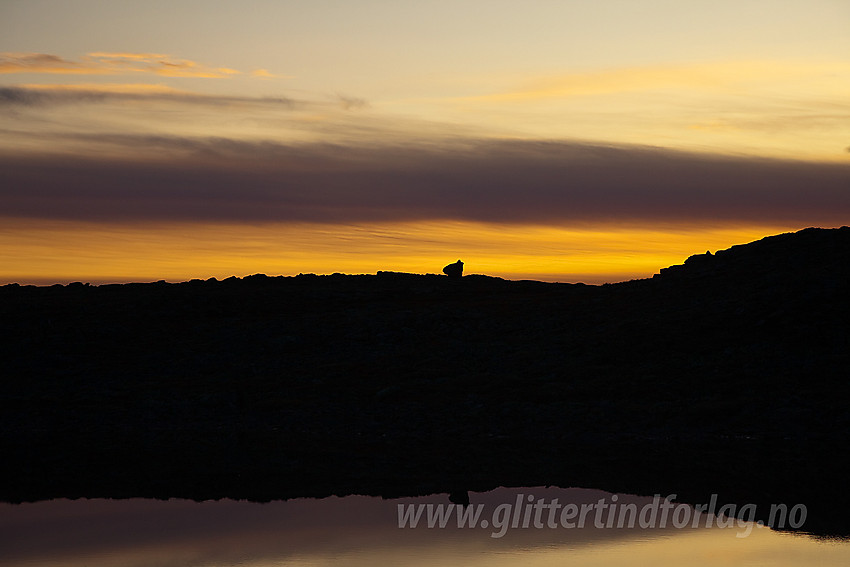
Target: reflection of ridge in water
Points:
(511, 525)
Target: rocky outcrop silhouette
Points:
(724, 375)
(454, 270)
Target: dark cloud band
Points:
(493, 181)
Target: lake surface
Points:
(361, 530)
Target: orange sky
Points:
(62, 251)
(565, 141)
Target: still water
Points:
(531, 526)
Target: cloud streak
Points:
(718, 77)
(93, 94)
(220, 179)
(100, 63)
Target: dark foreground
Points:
(727, 375)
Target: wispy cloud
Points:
(134, 88)
(76, 116)
(706, 76)
(47, 95)
(266, 74)
(102, 63)
(351, 102)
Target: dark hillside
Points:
(726, 374)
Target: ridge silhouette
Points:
(726, 374)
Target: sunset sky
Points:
(555, 140)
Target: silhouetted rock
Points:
(699, 259)
(459, 497)
(454, 270)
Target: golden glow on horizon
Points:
(44, 252)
